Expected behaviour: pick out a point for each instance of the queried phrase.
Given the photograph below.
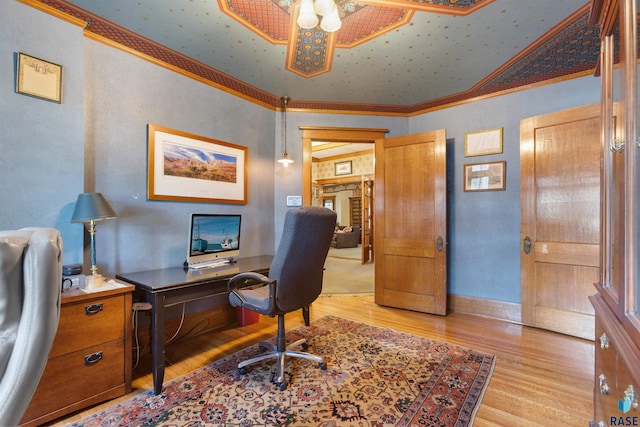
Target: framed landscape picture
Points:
(191, 168)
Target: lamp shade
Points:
(92, 206)
(285, 160)
(324, 7)
(307, 18)
(331, 21)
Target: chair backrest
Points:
(30, 286)
(298, 264)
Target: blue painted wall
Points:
(96, 140)
(123, 95)
(41, 142)
(484, 227)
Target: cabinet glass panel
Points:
(614, 190)
(634, 288)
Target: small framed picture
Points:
(483, 142)
(485, 176)
(343, 168)
(38, 78)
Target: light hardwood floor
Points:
(541, 378)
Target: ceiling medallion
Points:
(310, 52)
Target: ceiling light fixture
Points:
(285, 157)
(310, 10)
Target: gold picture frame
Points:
(483, 142)
(186, 167)
(38, 78)
(343, 168)
(485, 176)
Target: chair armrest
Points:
(249, 275)
(262, 280)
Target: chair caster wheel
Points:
(282, 386)
(262, 348)
(242, 370)
(305, 346)
(323, 366)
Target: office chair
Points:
(294, 282)
(30, 286)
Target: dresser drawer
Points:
(606, 358)
(88, 323)
(69, 379)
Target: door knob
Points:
(526, 245)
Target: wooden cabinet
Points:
(355, 211)
(90, 360)
(617, 302)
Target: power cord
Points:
(184, 305)
(144, 306)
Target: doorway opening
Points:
(338, 173)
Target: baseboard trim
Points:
(507, 311)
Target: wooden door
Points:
(410, 211)
(367, 219)
(560, 219)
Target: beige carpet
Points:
(345, 274)
(348, 253)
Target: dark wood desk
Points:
(171, 286)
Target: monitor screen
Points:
(213, 237)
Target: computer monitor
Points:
(213, 239)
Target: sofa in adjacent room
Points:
(346, 237)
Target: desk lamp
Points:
(92, 207)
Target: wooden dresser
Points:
(617, 301)
(90, 360)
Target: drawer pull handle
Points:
(92, 359)
(93, 309)
(604, 387)
(604, 341)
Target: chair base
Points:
(279, 352)
(280, 381)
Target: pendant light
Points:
(285, 157)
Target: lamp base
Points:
(93, 281)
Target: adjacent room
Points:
(464, 170)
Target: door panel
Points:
(410, 212)
(560, 211)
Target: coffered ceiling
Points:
(390, 56)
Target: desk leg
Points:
(305, 315)
(157, 341)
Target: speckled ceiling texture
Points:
(390, 56)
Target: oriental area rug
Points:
(375, 377)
